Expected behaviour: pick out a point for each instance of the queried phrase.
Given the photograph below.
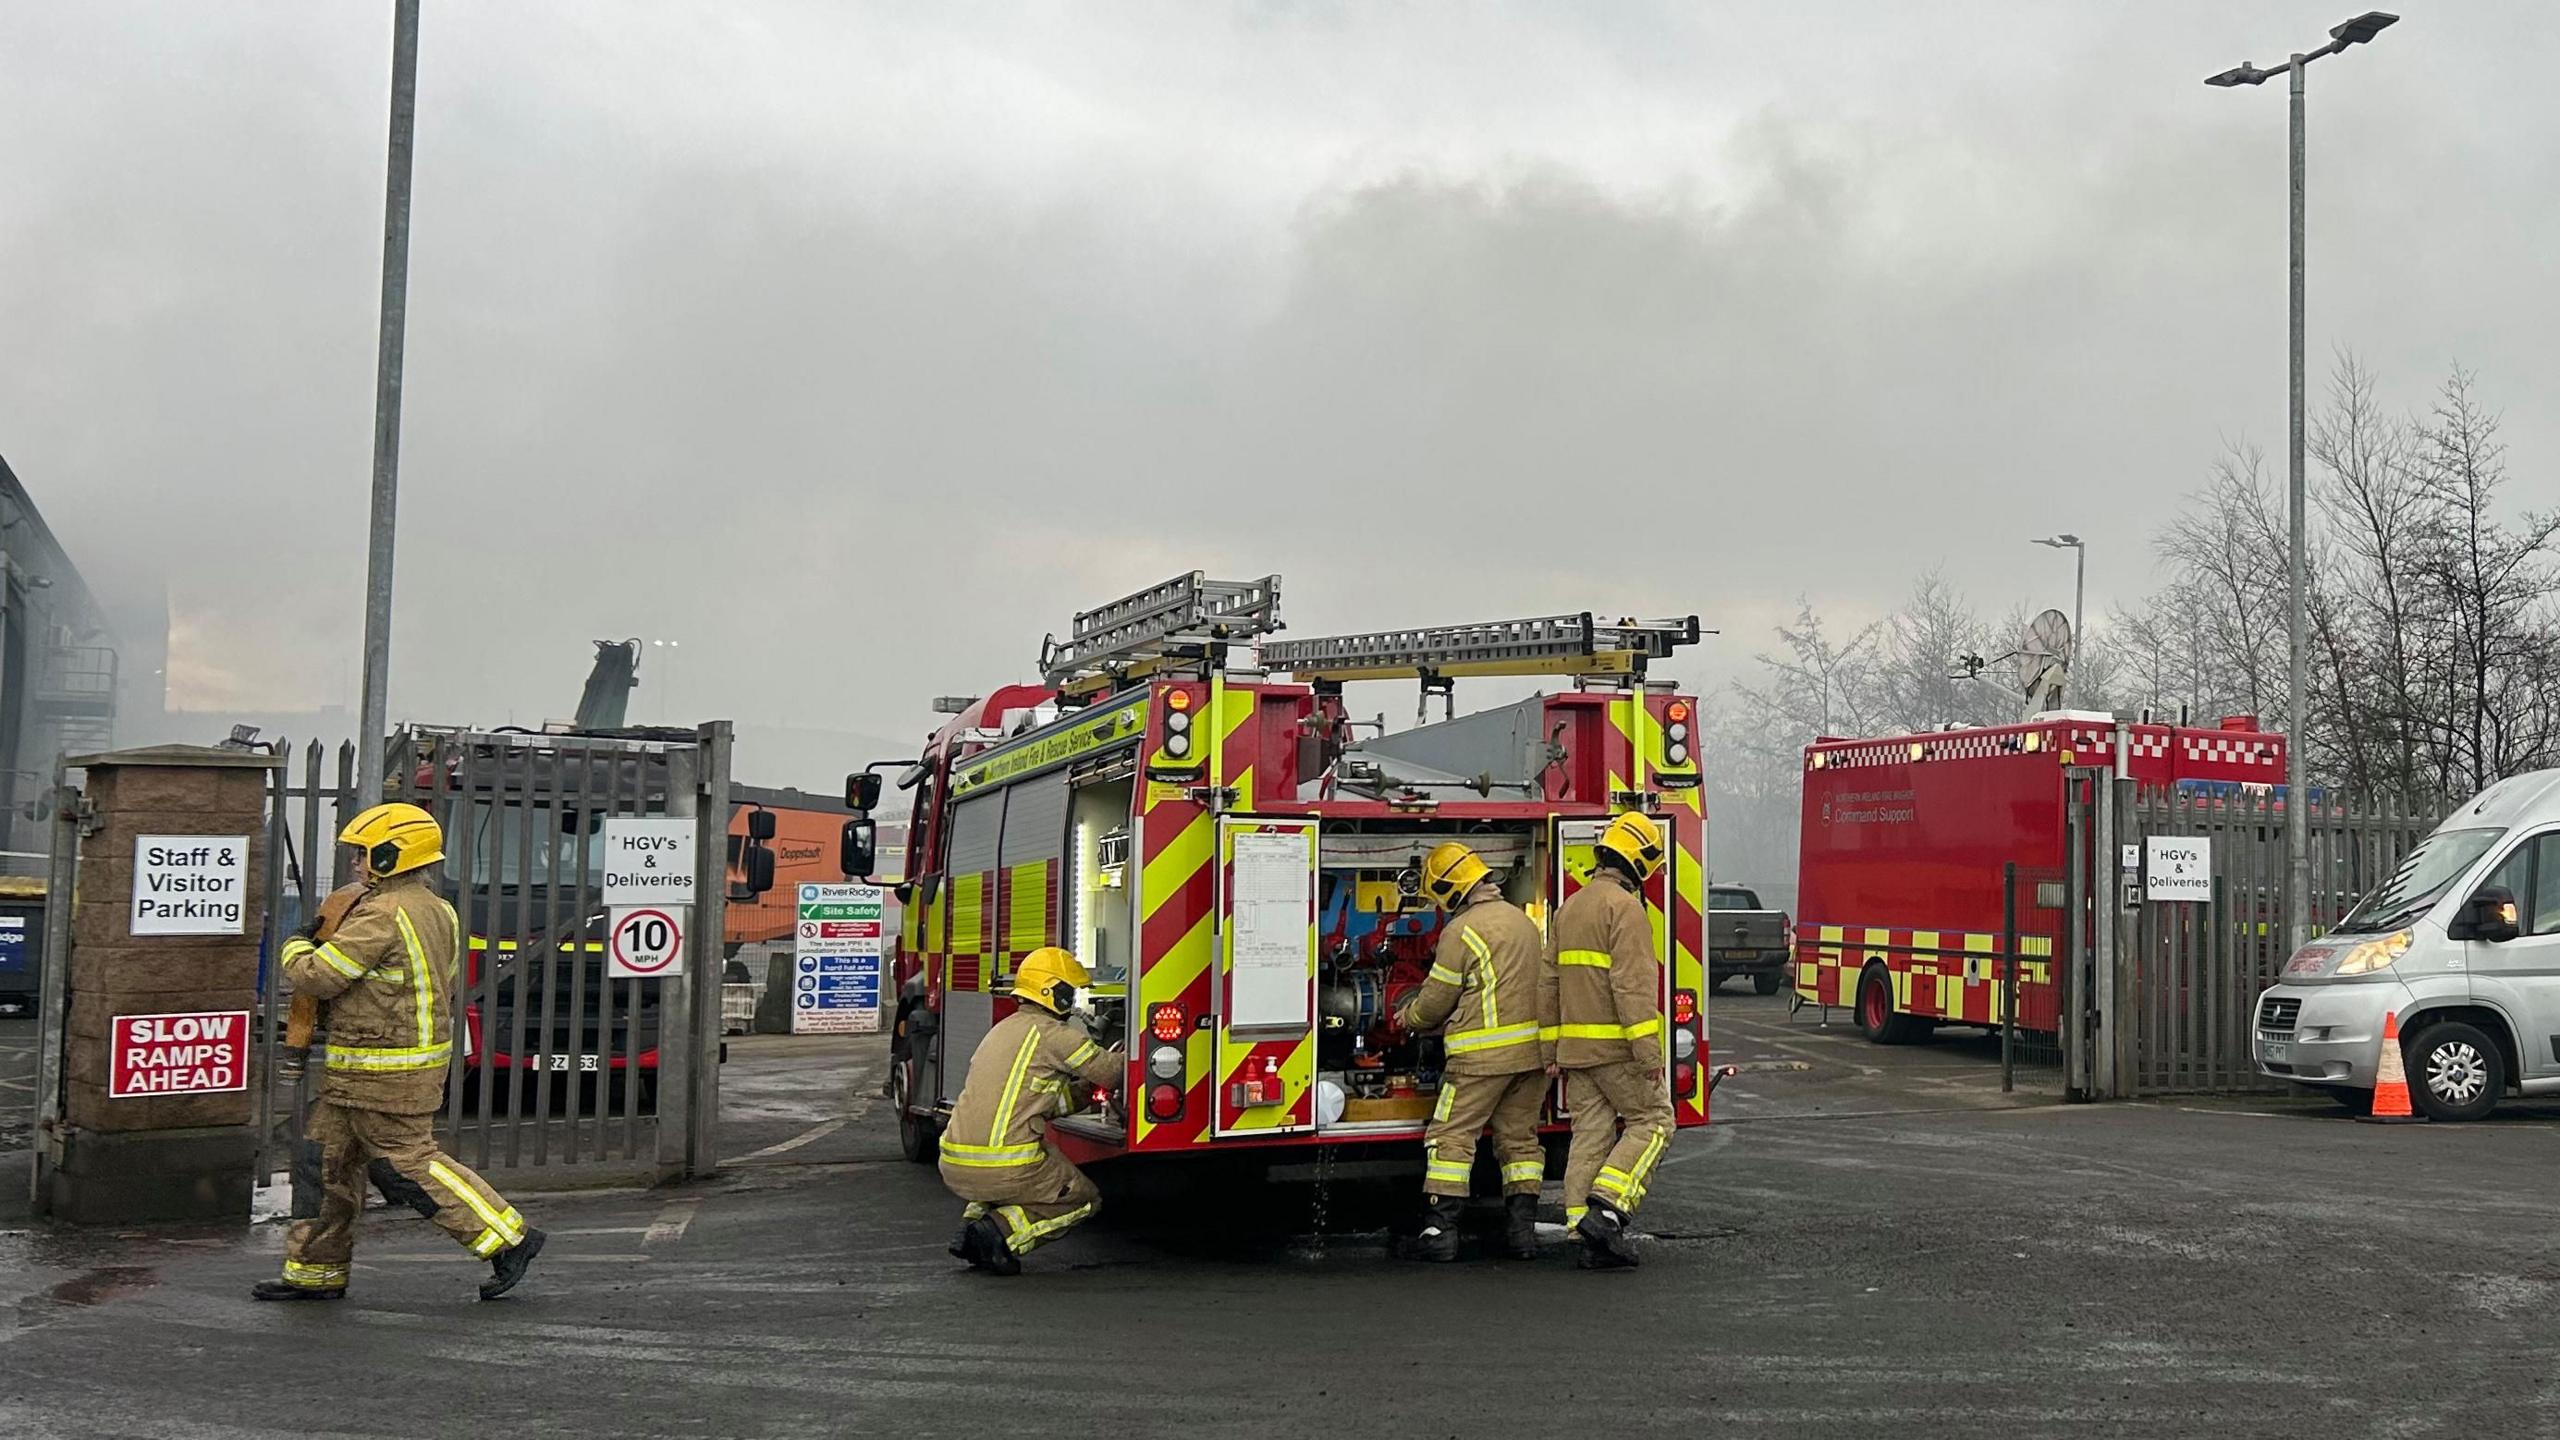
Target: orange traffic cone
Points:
(2391, 1080)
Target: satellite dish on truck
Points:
(2044, 661)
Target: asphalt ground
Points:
(1874, 1244)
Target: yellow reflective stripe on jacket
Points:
(1476, 943)
(422, 980)
(990, 1157)
(1550, 1032)
(1447, 976)
(1003, 1125)
(338, 960)
(1084, 1052)
(507, 1223)
(1519, 1172)
(1591, 1032)
(393, 1058)
(1466, 1040)
(1596, 959)
(1642, 1028)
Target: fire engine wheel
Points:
(919, 1138)
(1877, 1019)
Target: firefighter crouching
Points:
(1609, 1042)
(996, 1153)
(1486, 1002)
(385, 980)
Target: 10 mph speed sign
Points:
(646, 941)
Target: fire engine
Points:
(1185, 803)
(1902, 899)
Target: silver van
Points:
(2463, 941)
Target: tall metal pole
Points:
(2297, 823)
(386, 403)
(2079, 592)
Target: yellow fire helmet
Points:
(1050, 977)
(1637, 840)
(1449, 872)
(395, 839)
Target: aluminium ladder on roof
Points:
(1187, 610)
(1542, 645)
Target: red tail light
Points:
(1684, 1007)
(1167, 1022)
(1684, 1079)
(1164, 1101)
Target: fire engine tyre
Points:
(919, 1138)
(2455, 1072)
(1767, 982)
(1877, 1019)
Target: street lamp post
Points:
(2079, 586)
(2297, 832)
(375, 705)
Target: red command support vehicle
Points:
(1240, 875)
(1906, 840)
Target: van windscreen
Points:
(2438, 861)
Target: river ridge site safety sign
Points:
(648, 861)
(835, 963)
(189, 884)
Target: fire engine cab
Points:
(1903, 911)
(1186, 804)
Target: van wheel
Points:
(2455, 1072)
(1877, 1019)
(1766, 982)
(2354, 1102)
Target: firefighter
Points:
(384, 979)
(1486, 1001)
(1609, 1041)
(996, 1153)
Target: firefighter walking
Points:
(384, 979)
(1485, 1000)
(996, 1154)
(1609, 1042)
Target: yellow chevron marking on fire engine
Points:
(1297, 1073)
(1166, 875)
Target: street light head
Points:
(2363, 28)
(2071, 540)
(2245, 73)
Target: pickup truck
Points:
(1744, 939)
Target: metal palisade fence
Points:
(2198, 965)
(560, 1062)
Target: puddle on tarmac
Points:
(108, 1282)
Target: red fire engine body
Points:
(1906, 838)
(1240, 875)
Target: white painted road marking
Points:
(671, 1223)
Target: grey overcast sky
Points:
(855, 345)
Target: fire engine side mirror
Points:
(862, 794)
(857, 853)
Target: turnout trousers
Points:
(1468, 1104)
(1032, 1204)
(1621, 1125)
(317, 1251)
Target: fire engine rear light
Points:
(1684, 1078)
(1684, 1044)
(1679, 710)
(1679, 730)
(1678, 754)
(1177, 722)
(1164, 1101)
(1177, 745)
(1166, 1022)
(1684, 1006)
(1165, 1062)
(1178, 699)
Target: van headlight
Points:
(2375, 955)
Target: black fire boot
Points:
(280, 1290)
(994, 1255)
(1438, 1241)
(1520, 1226)
(507, 1267)
(1605, 1243)
(964, 1244)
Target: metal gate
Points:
(2173, 983)
(561, 1065)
